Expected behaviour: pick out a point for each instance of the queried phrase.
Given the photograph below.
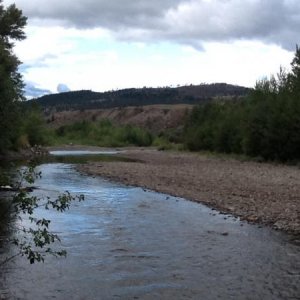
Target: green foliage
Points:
(102, 133)
(11, 28)
(34, 241)
(30, 130)
(273, 127)
(18, 126)
(162, 143)
(215, 127)
(172, 135)
(266, 124)
(32, 127)
(294, 76)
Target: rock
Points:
(252, 218)
(279, 225)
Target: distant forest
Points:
(86, 99)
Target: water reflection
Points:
(127, 243)
(82, 152)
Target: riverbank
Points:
(24, 154)
(256, 192)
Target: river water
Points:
(129, 243)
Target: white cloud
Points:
(183, 21)
(105, 64)
(104, 45)
(62, 88)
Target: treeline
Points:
(80, 100)
(266, 124)
(102, 133)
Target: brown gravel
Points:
(257, 192)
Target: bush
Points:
(162, 144)
(103, 133)
(34, 127)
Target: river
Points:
(129, 243)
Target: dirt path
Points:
(257, 192)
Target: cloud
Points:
(241, 62)
(32, 91)
(39, 62)
(62, 88)
(189, 22)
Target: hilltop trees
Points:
(12, 23)
(79, 100)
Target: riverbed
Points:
(265, 193)
(126, 242)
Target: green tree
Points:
(265, 124)
(273, 116)
(12, 23)
(33, 129)
(295, 74)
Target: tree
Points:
(266, 124)
(12, 23)
(33, 242)
(295, 74)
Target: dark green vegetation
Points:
(102, 133)
(11, 28)
(266, 124)
(21, 126)
(32, 130)
(80, 100)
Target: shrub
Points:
(103, 133)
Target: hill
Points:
(86, 99)
(154, 118)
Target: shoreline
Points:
(262, 193)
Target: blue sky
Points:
(103, 45)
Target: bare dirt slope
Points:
(153, 117)
(257, 192)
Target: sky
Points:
(105, 45)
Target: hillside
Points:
(155, 118)
(81, 100)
